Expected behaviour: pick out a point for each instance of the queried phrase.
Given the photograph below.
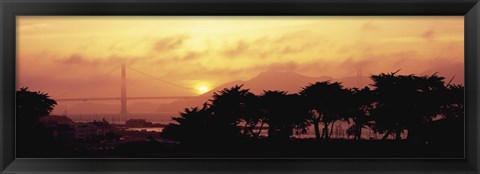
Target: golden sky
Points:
(57, 54)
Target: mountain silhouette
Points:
(448, 71)
(268, 80)
(283, 81)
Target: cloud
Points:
(86, 85)
(115, 46)
(188, 56)
(369, 26)
(169, 43)
(199, 71)
(79, 60)
(429, 34)
(30, 27)
(287, 66)
(75, 59)
(352, 63)
(241, 47)
(297, 49)
(288, 37)
(265, 47)
(378, 62)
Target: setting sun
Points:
(202, 89)
(275, 86)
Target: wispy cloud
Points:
(265, 47)
(429, 34)
(218, 51)
(370, 26)
(240, 48)
(79, 60)
(169, 43)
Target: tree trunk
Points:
(397, 134)
(359, 133)
(317, 129)
(331, 129)
(386, 135)
(325, 130)
(246, 128)
(414, 134)
(260, 130)
(358, 130)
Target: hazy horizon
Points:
(75, 57)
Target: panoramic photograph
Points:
(240, 87)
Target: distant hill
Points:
(284, 81)
(455, 71)
(270, 80)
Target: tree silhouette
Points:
(253, 116)
(283, 113)
(30, 107)
(454, 102)
(448, 126)
(193, 126)
(220, 118)
(360, 105)
(405, 102)
(231, 106)
(397, 103)
(430, 111)
(326, 103)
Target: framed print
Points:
(251, 86)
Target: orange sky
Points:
(61, 54)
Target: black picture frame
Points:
(11, 8)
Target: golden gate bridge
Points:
(123, 92)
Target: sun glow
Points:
(202, 53)
(203, 89)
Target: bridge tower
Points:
(359, 78)
(123, 92)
